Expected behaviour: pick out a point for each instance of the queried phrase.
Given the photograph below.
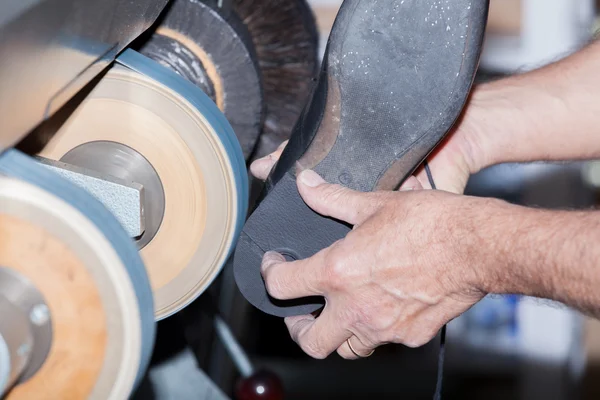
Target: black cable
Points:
(440, 372)
(429, 176)
(440, 369)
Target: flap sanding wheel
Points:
(145, 111)
(286, 41)
(64, 243)
(215, 53)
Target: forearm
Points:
(542, 253)
(550, 114)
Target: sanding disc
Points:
(91, 279)
(195, 154)
(216, 53)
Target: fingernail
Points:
(268, 158)
(270, 258)
(408, 189)
(282, 145)
(260, 165)
(311, 178)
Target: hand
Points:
(451, 164)
(405, 269)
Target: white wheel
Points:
(97, 334)
(191, 153)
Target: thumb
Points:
(336, 201)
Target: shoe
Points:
(395, 78)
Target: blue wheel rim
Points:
(15, 164)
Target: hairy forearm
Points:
(543, 253)
(546, 115)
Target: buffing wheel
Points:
(217, 54)
(286, 40)
(94, 285)
(171, 124)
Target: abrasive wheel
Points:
(216, 53)
(73, 286)
(144, 123)
(286, 41)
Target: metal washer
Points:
(22, 293)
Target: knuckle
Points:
(335, 271)
(273, 285)
(314, 350)
(297, 329)
(384, 323)
(413, 336)
(383, 329)
(417, 340)
(332, 193)
(414, 343)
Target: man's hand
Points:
(397, 277)
(381, 253)
(416, 259)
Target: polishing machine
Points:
(122, 191)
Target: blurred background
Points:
(506, 347)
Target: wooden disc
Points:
(96, 331)
(201, 201)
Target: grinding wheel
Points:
(90, 276)
(217, 54)
(143, 110)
